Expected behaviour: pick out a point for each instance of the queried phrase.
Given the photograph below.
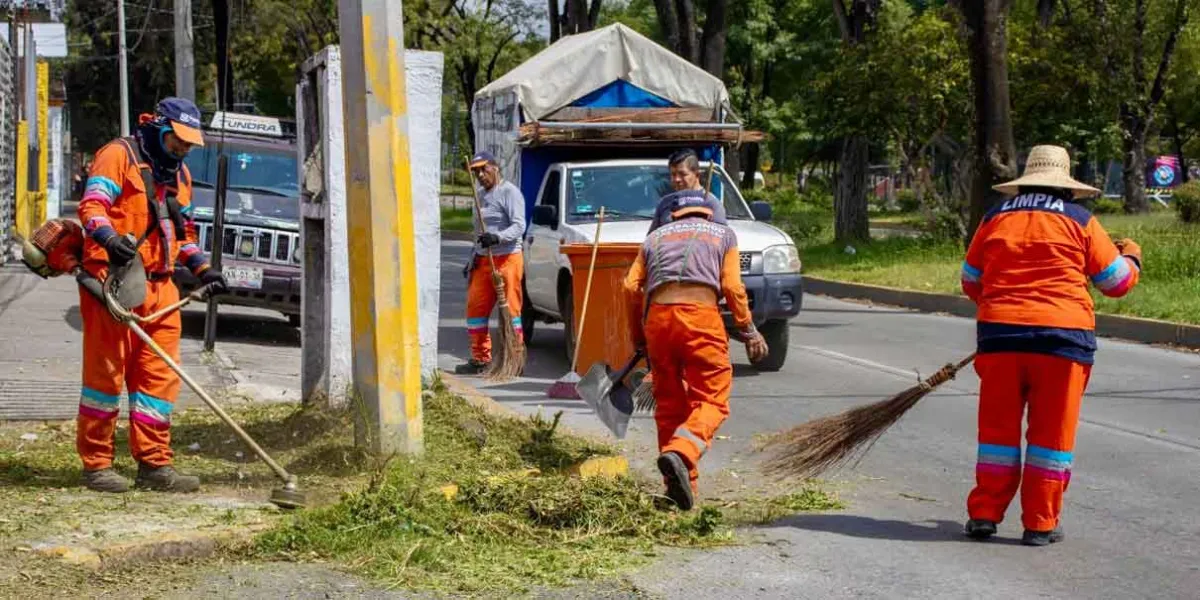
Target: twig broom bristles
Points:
(509, 362)
(814, 447)
(643, 396)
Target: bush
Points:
(907, 201)
(1107, 206)
(1186, 199)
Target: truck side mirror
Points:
(545, 216)
(761, 210)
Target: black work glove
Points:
(488, 240)
(217, 281)
(120, 250)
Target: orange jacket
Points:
(1028, 269)
(115, 203)
(693, 252)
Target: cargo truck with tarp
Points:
(590, 122)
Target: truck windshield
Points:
(267, 175)
(633, 192)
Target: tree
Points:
(850, 221)
(1126, 66)
(995, 151)
(678, 20)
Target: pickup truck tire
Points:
(529, 315)
(775, 332)
(566, 307)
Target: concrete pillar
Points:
(326, 370)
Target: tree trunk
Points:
(715, 29)
(668, 20)
(733, 161)
(995, 150)
(751, 166)
(850, 222)
(689, 46)
(1134, 161)
(577, 17)
(555, 24)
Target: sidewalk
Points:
(41, 349)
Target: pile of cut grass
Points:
(518, 519)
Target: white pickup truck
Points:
(565, 212)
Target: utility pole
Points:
(379, 214)
(123, 67)
(185, 60)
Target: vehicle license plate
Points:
(244, 277)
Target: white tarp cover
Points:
(577, 65)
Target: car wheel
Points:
(529, 315)
(775, 332)
(566, 307)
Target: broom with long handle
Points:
(810, 449)
(643, 396)
(510, 361)
(564, 388)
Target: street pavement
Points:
(1130, 514)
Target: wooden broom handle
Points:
(587, 291)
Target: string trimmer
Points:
(289, 496)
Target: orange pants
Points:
(113, 355)
(1053, 388)
(689, 356)
(481, 299)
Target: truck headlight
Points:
(781, 259)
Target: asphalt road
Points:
(1131, 514)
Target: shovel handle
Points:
(637, 357)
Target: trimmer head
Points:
(289, 497)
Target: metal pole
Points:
(383, 296)
(218, 246)
(185, 59)
(123, 67)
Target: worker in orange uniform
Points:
(674, 285)
(1028, 269)
(116, 210)
(503, 219)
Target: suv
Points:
(261, 253)
(569, 199)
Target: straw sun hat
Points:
(1048, 166)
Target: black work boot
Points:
(105, 480)
(1042, 538)
(166, 479)
(980, 529)
(471, 367)
(679, 486)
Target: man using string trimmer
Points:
(136, 214)
(672, 289)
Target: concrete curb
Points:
(1147, 331)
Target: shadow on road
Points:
(251, 329)
(879, 529)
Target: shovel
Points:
(608, 396)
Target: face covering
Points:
(150, 136)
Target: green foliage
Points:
(506, 529)
(907, 200)
(1186, 199)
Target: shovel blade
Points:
(612, 403)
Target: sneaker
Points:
(471, 367)
(679, 487)
(980, 529)
(1042, 538)
(105, 480)
(166, 479)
